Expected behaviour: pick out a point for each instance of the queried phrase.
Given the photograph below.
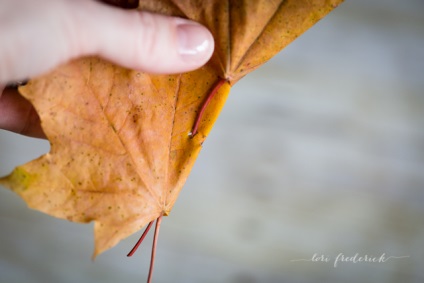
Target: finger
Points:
(145, 41)
(18, 115)
(38, 35)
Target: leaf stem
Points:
(155, 241)
(140, 240)
(208, 99)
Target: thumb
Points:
(145, 41)
(38, 35)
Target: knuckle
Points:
(149, 42)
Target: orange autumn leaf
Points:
(123, 142)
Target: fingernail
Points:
(194, 42)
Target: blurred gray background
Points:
(320, 151)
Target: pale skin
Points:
(37, 36)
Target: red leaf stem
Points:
(155, 241)
(208, 99)
(140, 240)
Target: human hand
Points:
(36, 36)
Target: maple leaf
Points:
(123, 142)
